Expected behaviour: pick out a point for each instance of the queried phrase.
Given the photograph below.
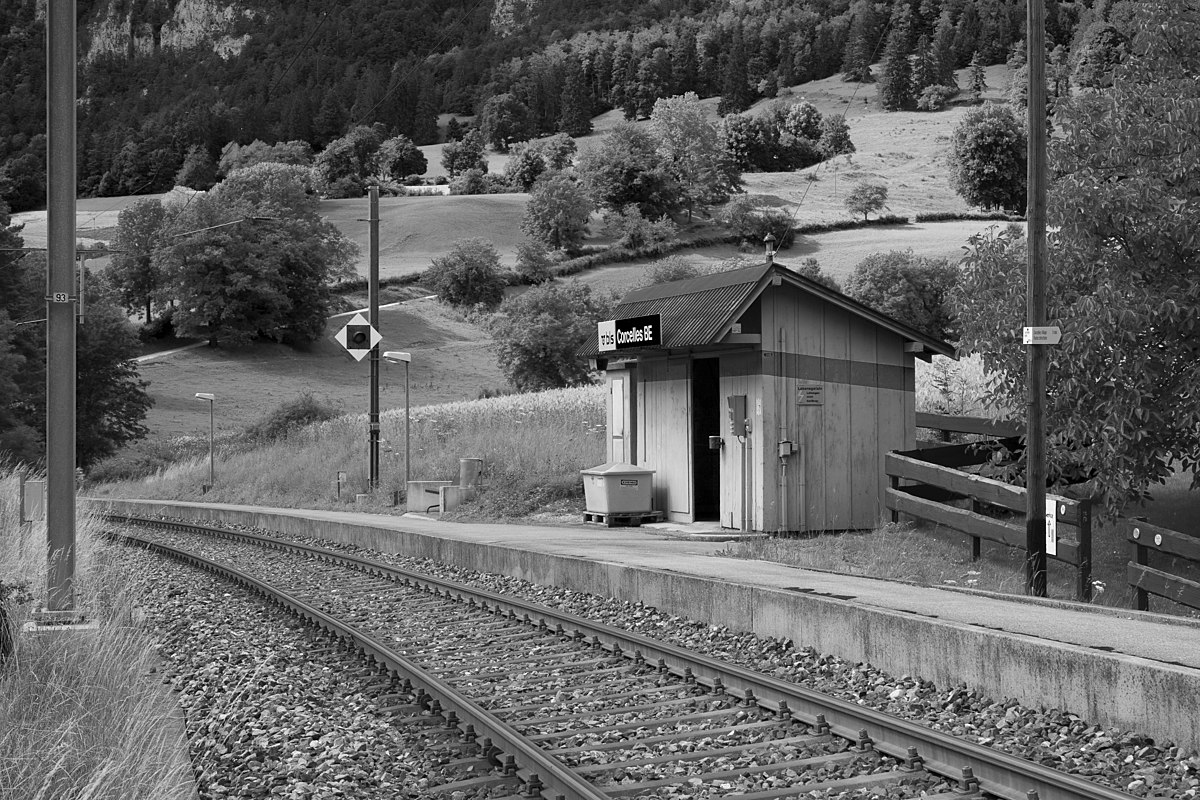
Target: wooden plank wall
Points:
(739, 375)
(664, 427)
(845, 439)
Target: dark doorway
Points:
(706, 422)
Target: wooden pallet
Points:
(630, 518)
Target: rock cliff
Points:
(121, 28)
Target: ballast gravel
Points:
(1056, 738)
(270, 714)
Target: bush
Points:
(162, 327)
(635, 232)
(290, 416)
(671, 268)
(811, 269)
(751, 219)
(935, 98)
(534, 264)
(474, 181)
(468, 275)
(946, 216)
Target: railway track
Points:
(545, 703)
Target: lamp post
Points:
(210, 397)
(395, 357)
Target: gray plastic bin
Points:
(615, 488)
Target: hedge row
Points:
(948, 216)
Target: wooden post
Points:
(1141, 557)
(894, 483)
(975, 540)
(1035, 307)
(1083, 592)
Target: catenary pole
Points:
(1035, 354)
(373, 310)
(61, 296)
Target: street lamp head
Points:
(396, 357)
(209, 396)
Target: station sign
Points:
(620, 334)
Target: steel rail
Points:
(968, 764)
(538, 767)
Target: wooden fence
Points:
(946, 424)
(930, 483)
(1146, 580)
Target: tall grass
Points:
(79, 718)
(541, 438)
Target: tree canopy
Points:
(692, 151)
(987, 158)
(111, 399)
(468, 275)
(539, 334)
(1125, 207)
(557, 212)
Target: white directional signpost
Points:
(1043, 334)
(358, 336)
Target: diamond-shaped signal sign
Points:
(358, 337)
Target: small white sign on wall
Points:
(618, 408)
(1051, 526)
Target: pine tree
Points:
(966, 34)
(860, 43)
(895, 75)
(923, 69)
(943, 49)
(685, 65)
(976, 79)
(736, 94)
(576, 117)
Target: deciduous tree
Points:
(503, 120)
(133, 272)
(626, 168)
(865, 197)
(464, 154)
(342, 168)
(987, 158)
(913, 289)
(398, 157)
(557, 212)
(1125, 206)
(539, 334)
(692, 150)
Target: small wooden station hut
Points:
(761, 399)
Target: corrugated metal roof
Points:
(696, 310)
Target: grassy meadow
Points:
(79, 718)
(532, 444)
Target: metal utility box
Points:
(616, 488)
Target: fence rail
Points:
(927, 483)
(980, 426)
(1145, 580)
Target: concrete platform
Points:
(1136, 670)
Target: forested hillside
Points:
(161, 77)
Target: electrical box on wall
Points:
(737, 415)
